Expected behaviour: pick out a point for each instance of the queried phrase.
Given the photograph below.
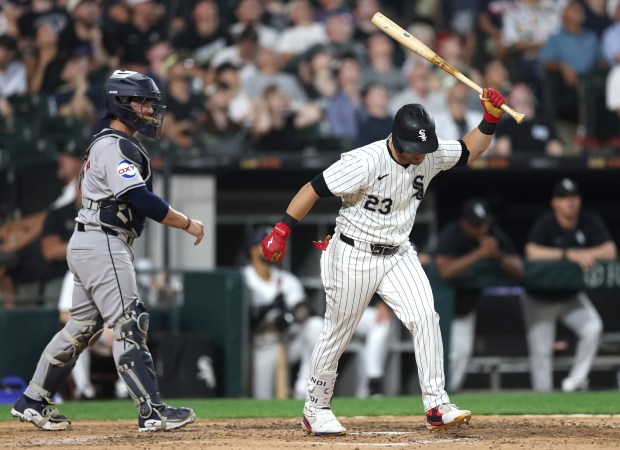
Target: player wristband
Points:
(289, 221)
(189, 222)
(487, 128)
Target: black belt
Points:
(375, 249)
(106, 230)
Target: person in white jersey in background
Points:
(381, 186)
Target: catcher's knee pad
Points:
(135, 365)
(63, 351)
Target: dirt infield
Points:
(485, 432)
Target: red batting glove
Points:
(274, 245)
(322, 245)
(491, 102)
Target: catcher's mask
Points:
(123, 87)
(413, 130)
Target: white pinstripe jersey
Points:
(379, 196)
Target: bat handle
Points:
(517, 116)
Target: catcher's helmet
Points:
(121, 88)
(413, 130)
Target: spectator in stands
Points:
(9, 15)
(75, 97)
(242, 52)
(362, 13)
(567, 233)
(381, 67)
(39, 13)
(316, 75)
(457, 119)
(328, 7)
(489, 39)
(462, 244)
(249, 13)
(157, 56)
(596, 19)
(304, 32)
(536, 134)
(13, 80)
(84, 34)
(240, 105)
(204, 35)
(527, 24)
(422, 88)
(133, 39)
(279, 124)
(339, 28)
(42, 66)
(567, 58)
(21, 254)
(344, 107)
(217, 132)
(184, 108)
(611, 51)
(495, 75)
(452, 49)
(425, 33)
(375, 120)
(280, 315)
(268, 72)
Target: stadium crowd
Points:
(258, 75)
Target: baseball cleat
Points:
(166, 419)
(446, 416)
(39, 413)
(321, 422)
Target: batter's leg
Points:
(350, 278)
(540, 324)
(586, 323)
(407, 291)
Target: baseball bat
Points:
(281, 373)
(402, 36)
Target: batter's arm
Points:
(303, 202)
(477, 142)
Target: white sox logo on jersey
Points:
(418, 185)
(126, 169)
(422, 135)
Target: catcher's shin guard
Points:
(60, 356)
(134, 364)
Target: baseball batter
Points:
(381, 186)
(116, 189)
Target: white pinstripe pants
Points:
(350, 278)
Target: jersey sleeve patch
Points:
(126, 169)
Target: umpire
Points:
(116, 188)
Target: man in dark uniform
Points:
(462, 244)
(565, 233)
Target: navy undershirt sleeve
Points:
(149, 204)
(320, 186)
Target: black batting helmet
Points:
(121, 88)
(413, 130)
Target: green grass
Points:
(479, 404)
